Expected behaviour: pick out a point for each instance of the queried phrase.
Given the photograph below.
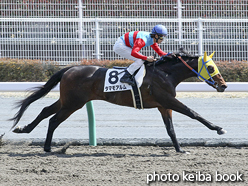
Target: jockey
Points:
(129, 45)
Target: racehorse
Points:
(80, 84)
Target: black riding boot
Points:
(127, 78)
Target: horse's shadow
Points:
(61, 153)
(64, 155)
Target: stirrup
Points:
(127, 78)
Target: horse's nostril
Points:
(223, 86)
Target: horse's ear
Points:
(205, 56)
(212, 55)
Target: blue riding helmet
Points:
(160, 30)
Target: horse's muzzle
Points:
(221, 88)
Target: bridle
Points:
(211, 81)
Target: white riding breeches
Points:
(125, 51)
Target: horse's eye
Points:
(210, 69)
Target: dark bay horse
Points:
(80, 84)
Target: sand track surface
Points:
(120, 165)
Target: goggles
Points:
(161, 37)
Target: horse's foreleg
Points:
(181, 108)
(167, 118)
(46, 112)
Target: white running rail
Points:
(182, 87)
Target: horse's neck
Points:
(180, 72)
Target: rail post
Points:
(80, 27)
(97, 29)
(179, 16)
(91, 123)
(200, 36)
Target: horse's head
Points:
(209, 72)
(203, 67)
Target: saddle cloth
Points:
(112, 80)
(112, 84)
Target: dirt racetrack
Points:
(122, 165)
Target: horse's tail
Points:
(37, 94)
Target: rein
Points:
(212, 82)
(154, 63)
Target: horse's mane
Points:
(173, 58)
(170, 63)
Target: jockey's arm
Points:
(138, 44)
(158, 50)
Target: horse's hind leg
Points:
(46, 112)
(54, 122)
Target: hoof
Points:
(186, 152)
(47, 149)
(17, 130)
(183, 151)
(2, 136)
(221, 131)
